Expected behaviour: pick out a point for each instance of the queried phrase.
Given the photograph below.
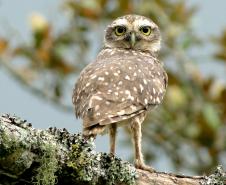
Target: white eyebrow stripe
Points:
(120, 22)
(144, 22)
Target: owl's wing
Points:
(113, 89)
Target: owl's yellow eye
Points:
(120, 30)
(146, 30)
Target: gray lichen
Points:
(54, 156)
(20, 147)
(48, 167)
(217, 178)
(92, 167)
(13, 153)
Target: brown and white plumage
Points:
(124, 82)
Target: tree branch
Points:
(54, 156)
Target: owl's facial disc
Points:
(133, 32)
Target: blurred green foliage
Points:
(189, 128)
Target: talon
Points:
(145, 167)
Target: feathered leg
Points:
(137, 135)
(112, 134)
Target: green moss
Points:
(48, 167)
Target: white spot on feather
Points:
(134, 53)
(141, 88)
(93, 77)
(131, 97)
(127, 77)
(97, 98)
(127, 92)
(97, 107)
(121, 112)
(158, 100)
(133, 107)
(101, 78)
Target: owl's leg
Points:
(112, 134)
(136, 132)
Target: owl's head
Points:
(133, 32)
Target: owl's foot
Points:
(145, 167)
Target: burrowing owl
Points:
(124, 82)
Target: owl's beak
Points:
(132, 39)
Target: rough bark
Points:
(54, 156)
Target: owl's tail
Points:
(93, 131)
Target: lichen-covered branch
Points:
(54, 156)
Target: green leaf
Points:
(211, 116)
